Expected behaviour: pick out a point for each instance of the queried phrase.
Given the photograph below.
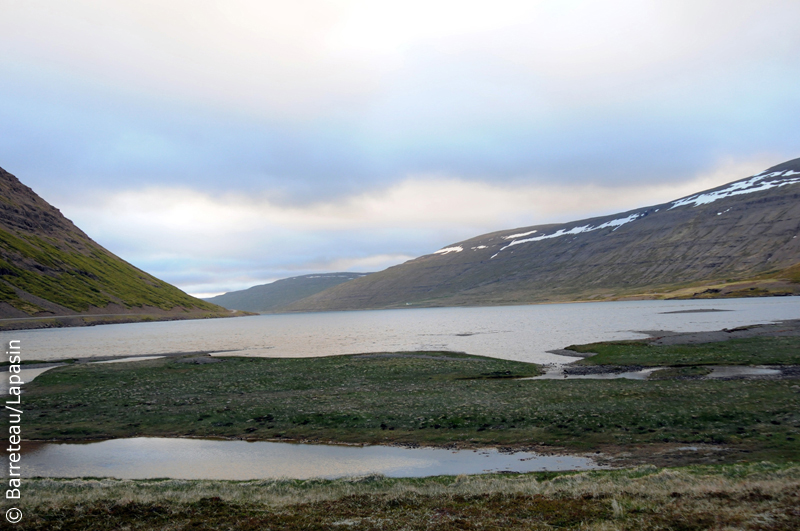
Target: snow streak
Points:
(756, 183)
(616, 223)
(446, 250)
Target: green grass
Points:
(751, 351)
(435, 398)
(760, 496)
(79, 278)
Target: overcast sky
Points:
(223, 144)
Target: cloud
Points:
(239, 54)
(210, 243)
(321, 99)
(308, 57)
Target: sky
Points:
(224, 144)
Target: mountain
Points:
(277, 295)
(735, 240)
(51, 269)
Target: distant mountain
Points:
(277, 295)
(739, 239)
(50, 268)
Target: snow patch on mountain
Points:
(756, 183)
(616, 223)
(520, 235)
(446, 250)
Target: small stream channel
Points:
(717, 371)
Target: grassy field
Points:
(423, 398)
(751, 351)
(756, 496)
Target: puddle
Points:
(149, 457)
(557, 373)
(734, 371)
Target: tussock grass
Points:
(754, 496)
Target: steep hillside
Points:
(49, 267)
(275, 296)
(732, 240)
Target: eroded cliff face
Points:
(48, 266)
(743, 230)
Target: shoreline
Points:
(79, 320)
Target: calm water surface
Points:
(522, 333)
(148, 457)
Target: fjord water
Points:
(523, 333)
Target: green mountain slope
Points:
(277, 295)
(735, 240)
(49, 267)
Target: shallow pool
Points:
(150, 457)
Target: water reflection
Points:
(144, 457)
